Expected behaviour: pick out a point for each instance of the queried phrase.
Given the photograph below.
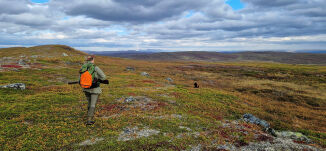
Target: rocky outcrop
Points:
(252, 119)
(285, 140)
(278, 144)
(296, 136)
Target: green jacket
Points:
(99, 74)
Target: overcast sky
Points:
(179, 25)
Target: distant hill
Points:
(44, 50)
(270, 56)
(120, 54)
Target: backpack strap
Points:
(94, 69)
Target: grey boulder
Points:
(252, 119)
(19, 86)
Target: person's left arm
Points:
(100, 73)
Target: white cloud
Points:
(166, 24)
(49, 35)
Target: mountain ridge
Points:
(269, 56)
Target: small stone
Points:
(169, 79)
(22, 62)
(196, 134)
(28, 122)
(186, 128)
(196, 148)
(130, 130)
(130, 68)
(65, 55)
(145, 74)
(176, 116)
(129, 99)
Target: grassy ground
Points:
(50, 115)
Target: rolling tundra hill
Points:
(269, 56)
(152, 105)
(44, 50)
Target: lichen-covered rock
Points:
(134, 133)
(279, 144)
(294, 136)
(137, 98)
(140, 102)
(19, 86)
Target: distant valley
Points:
(299, 57)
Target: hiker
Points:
(92, 93)
(196, 85)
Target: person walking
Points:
(93, 91)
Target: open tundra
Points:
(137, 112)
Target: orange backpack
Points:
(87, 75)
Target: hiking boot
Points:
(90, 122)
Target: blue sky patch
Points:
(235, 4)
(40, 1)
(190, 13)
(66, 18)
